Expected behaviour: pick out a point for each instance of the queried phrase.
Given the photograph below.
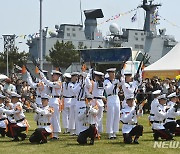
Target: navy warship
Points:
(148, 39)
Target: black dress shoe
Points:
(23, 137)
(91, 142)
(15, 139)
(136, 142)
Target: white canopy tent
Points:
(167, 66)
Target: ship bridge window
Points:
(73, 29)
(136, 46)
(142, 39)
(136, 38)
(68, 34)
(141, 46)
(136, 33)
(68, 29)
(142, 34)
(74, 35)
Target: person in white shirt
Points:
(160, 115)
(129, 115)
(72, 116)
(54, 101)
(87, 117)
(3, 117)
(21, 122)
(111, 86)
(66, 101)
(43, 119)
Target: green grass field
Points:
(68, 144)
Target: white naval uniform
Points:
(3, 117)
(97, 93)
(129, 118)
(154, 104)
(130, 88)
(40, 87)
(113, 106)
(86, 118)
(54, 102)
(43, 118)
(160, 115)
(67, 103)
(72, 115)
(18, 114)
(171, 115)
(81, 90)
(10, 117)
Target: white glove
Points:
(34, 105)
(140, 107)
(41, 74)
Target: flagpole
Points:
(41, 38)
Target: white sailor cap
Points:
(2, 96)
(163, 96)
(56, 72)
(84, 74)
(172, 95)
(74, 73)
(128, 97)
(106, 75)
(67, 75)
(98, 73)
(156, 92)
(111, 70)
(89, 96)
(44, 71)
(45, 96)
(126, 72)
(14, 94)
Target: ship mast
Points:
(150, 8)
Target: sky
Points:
(21, 17)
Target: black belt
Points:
(55, 96)
(111, 95)
(151, 114)
(159, 122)
(2, 119)
(44, 124)
(38, 96)
(81, 99)
(97, 98)
(20, 120)
(130, 124)
(171, 118)
(69, 96)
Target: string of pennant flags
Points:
(115, 17)
(156, 17)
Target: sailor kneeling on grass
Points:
(43, 118)
(129, 116)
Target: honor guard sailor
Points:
(21, 122)
(160, 115)
(154, 103)
(40, 87)
(72, 116)
(54, 101)
(3, 117)
(87, 117)
(129, 117)
(66, 100)
(111, 86)
(97, 92)
(43, 119)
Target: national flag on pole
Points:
(134, 18)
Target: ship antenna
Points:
(81, 13)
